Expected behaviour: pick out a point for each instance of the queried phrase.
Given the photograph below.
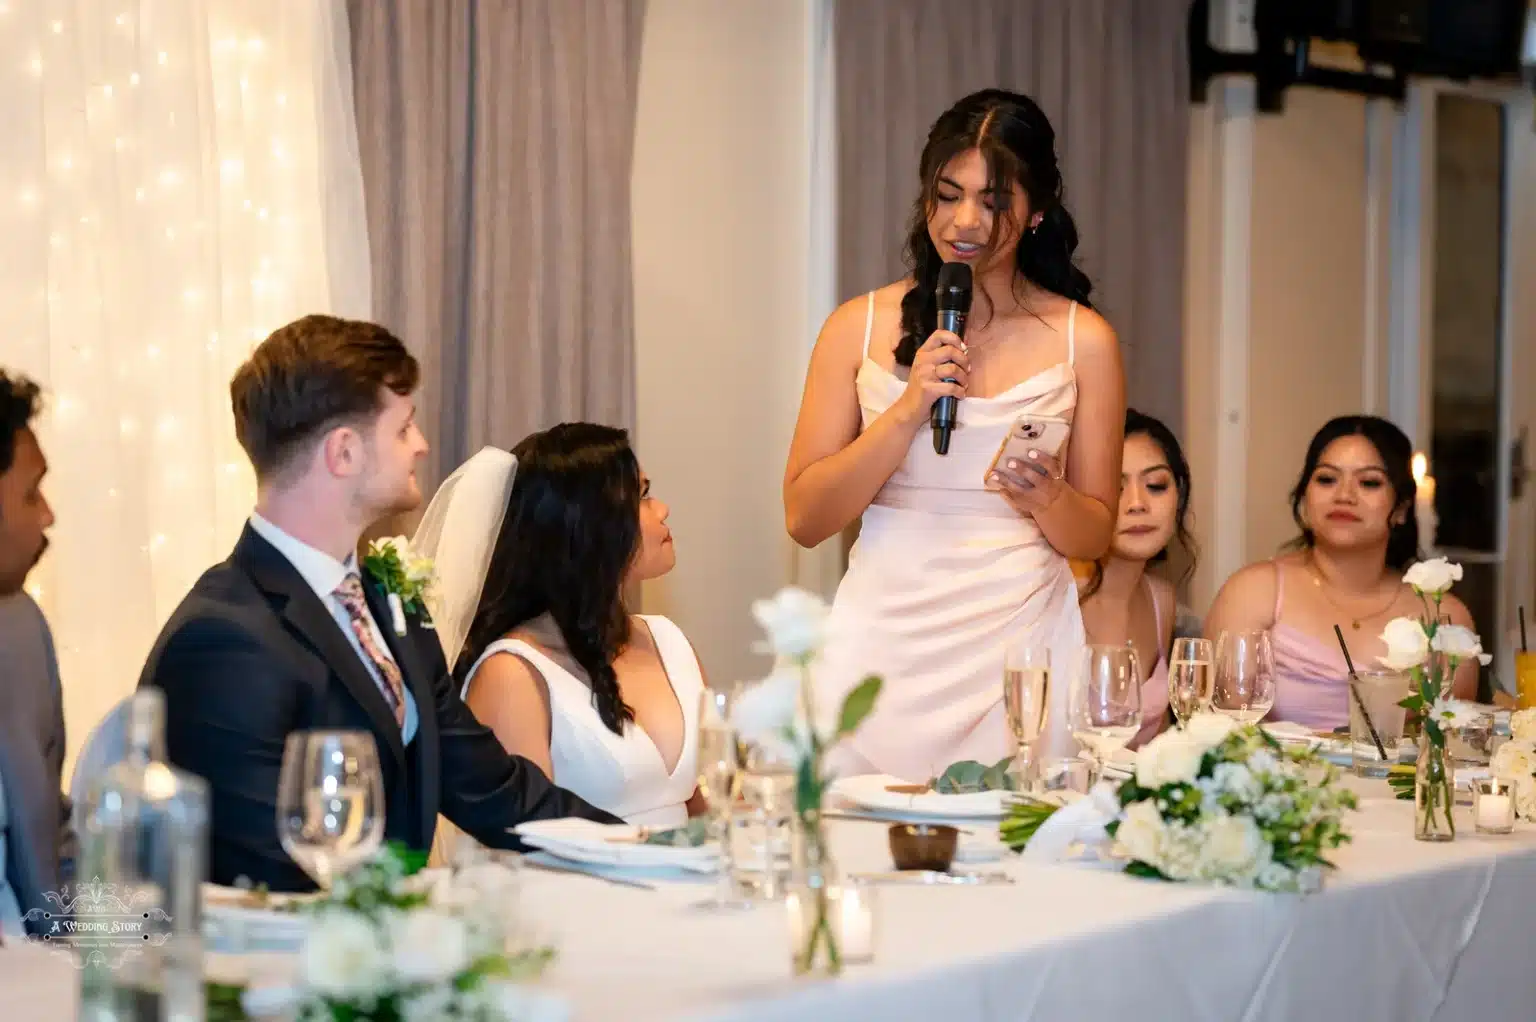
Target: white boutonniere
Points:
(405, 578)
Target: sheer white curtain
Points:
(179, 178)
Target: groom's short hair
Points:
(309, 377)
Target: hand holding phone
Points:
(1047, 434)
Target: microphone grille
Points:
(954, 288)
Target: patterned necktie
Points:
(350, 593)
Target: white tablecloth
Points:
(1405, 931)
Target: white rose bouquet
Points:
(392, 943)
(1515, 762)
(1214, 803)
(1430, 649)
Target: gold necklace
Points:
(1354, 621)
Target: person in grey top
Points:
(36, 842)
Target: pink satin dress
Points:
(1311, 680)
(946, 575)
(1154, 691)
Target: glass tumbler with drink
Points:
(1379, 692)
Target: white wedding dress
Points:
(623, 774)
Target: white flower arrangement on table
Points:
(1213, 803)
(1515, 762)
(1429, 649)
(405, 576)
(390, 943)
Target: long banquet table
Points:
(1404, 931)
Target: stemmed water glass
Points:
(1245, 676)
(719, 778)
(330, 802)
(1190, 669)
(1105, 705)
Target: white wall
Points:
(731, 172)
(1286, 303)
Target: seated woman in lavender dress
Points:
(1354, 505)
(1121, 601)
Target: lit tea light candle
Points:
(1493, 805)
(856, 923)
(1424, 501)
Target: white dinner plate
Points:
(893, 797)
(613, 845)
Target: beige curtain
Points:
(496, 140)
(1113, 78)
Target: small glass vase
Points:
(811, 902)
(1434, 793)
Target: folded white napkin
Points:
(1082, 821)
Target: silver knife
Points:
(564, 867)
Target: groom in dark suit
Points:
(289, 635)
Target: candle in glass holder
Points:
(856, 922)
(1424, 502)
(1493, 806)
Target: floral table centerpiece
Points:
(1515, 762)
(779, 714)
(391, 942)
(1430, 649)
(1214, 803)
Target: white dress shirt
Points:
(324, 573)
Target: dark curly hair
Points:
(1017, 141)
(570, 533)
(20, 401)
(1154, 429)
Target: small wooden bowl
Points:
(923, 846)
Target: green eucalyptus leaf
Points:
(858, 705)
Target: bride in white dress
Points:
(533, 551)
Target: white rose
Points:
(343, 956)
(428, 946)
(515, 1003)
(1407, 645)
(1140, 833)
(1209, 730)
(1515, 761)
(795, 620)
(1236, 779)
(1181, 848)
(1434, 576)
(763, 711)
(1170, 758)
(1459, 643)
(1522, 725)
(1525, 799)
(1234, 848)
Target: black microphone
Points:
(954, 294)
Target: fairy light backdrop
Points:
(179, 178)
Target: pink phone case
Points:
(1043, 433)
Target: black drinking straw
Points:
(1523, 647)
(1354, 691)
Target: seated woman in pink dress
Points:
(1354, 506)
(1121, 602)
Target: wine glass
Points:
(330, 802)
(719, 770)
(1245, 676)
(1106, 701)
(1026, 691)
(1190, 667)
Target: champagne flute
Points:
(330, 802)
(719, 769)
(1106, 701)
(1190, 670)
(1026, 691)
(1245, 676)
